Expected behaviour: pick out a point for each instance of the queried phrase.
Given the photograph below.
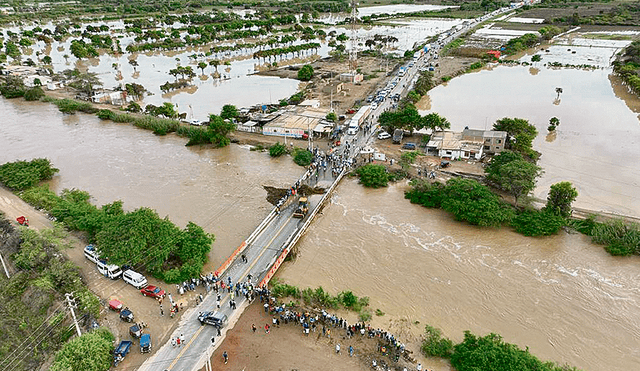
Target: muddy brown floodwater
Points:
(218, 189)
(563, 297)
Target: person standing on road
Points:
(225, 356)
(181, 338)
(338, 348)
(253, 328)
(161, 310)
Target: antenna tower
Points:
(353, 52)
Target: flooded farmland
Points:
(597, 140)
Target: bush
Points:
(434, 345)
(21, 175)
(40, 197)
(305, 73)
(620, 238)
(277, 150)
(302, 157)
(34, 93)
(537, 223)
(72, 106)
(373, 175)
(474, 203)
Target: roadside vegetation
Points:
(140, 238)
(484, 353)
(31, 301)
(319, 297)
(627, 66)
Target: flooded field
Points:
(564, 298)
(219, 189)
(595, 144)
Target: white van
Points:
(353, 130)
(91, 253)
(135, 279)
(109, 270)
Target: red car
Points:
(153, 291)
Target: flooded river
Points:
(219, 189)
(563, 297)
(596, 144)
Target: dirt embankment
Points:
(286, 347)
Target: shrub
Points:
(277, 150)
(537, 223)
(620, 238)
(302, 157)
(373, 175)
(34, 93)
(305, 73)
(40, 197)
(474, 203)
(434, 345)
(72, 106)
(21, 175)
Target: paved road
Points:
(268, 244)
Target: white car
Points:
(384, 135)
(374, 105)
(91, 253)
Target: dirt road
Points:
(145, 309)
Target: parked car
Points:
(109, 270)
(115, 304)
(444, 164)
(153, 291)
(398, 134)
(135, 331)
(217, 319)
(126, 315)
(145, 343)
(135, 279)
(121, 351)
(91, 253)
(384, 135)
(374, 105)
(411, 146)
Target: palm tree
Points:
(215, 63)
(558, 91)
(202, 66)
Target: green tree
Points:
(373, 175)
(89, 352)
(520, 133)
(436, 122)
(493, 169)
(219, 131)
(46, 60)
(331, 116)
(518, 178)
(559, 199)
(302, 157)
(305, 73)
(474, 203)
(20, 175)
(12, 87)
(407, 118)
(554, 122)
(277, 150)
(85, 82)
(229, 111)
(133, 107)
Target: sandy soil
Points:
(287, 348)
(145, 309)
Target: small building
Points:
(249, 127)
(334, 87)
(351, 77)
(295, 122)
(493, 141)
(451, 145)
(313, 103)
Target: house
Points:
(295, 122)
(493, 141)
(451, 145)
(333, 87)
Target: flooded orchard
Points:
(563, 297)
(218, 189)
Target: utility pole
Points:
(353, 52)
(72, 304)
(4, 266)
